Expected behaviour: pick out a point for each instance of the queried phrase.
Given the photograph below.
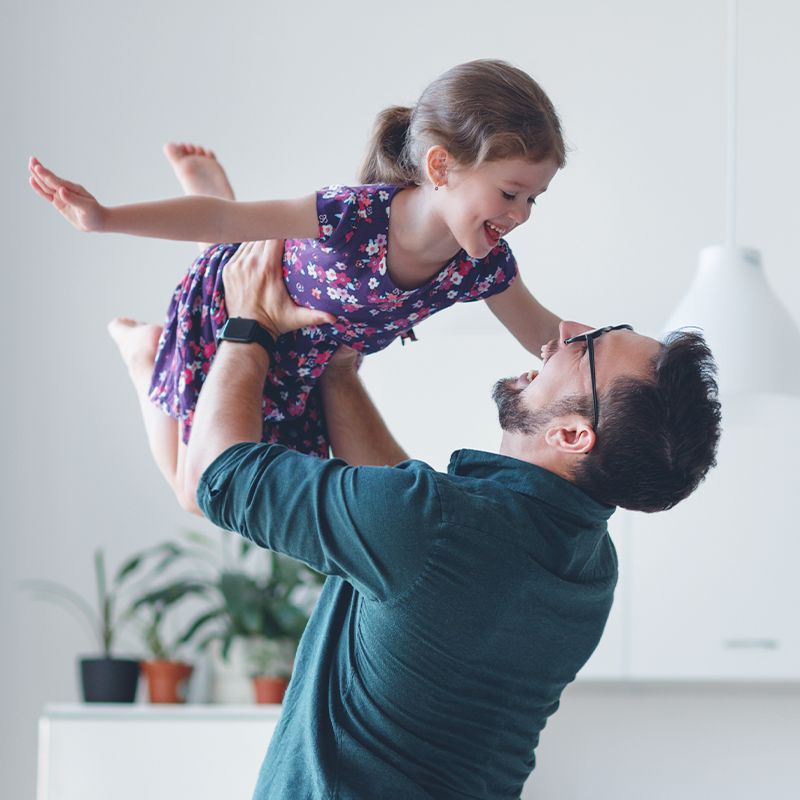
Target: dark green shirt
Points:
(457, 609)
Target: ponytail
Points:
(387, 154)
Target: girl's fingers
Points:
(53, 181)
(47, 177)
(36, 180)
(40, 190)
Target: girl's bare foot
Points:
(198, 170)
(137, 343)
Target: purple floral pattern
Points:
(343, 272)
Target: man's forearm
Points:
(229, 407)
(356, 429)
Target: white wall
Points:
(286, 95)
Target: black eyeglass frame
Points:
(589, 337)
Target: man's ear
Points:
(437, 160)
(571, 435)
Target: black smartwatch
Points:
(238, 329)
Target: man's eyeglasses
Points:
(589, 337)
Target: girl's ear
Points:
(571, 435)
(437, 159)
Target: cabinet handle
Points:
(751, 644)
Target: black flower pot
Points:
(109, 680)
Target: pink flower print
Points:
(316, 293)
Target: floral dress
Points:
(342, 272)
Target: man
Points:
(458, 605)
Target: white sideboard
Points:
(129, 752)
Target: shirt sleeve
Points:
(372, 526)
(495, 274)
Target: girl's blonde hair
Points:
(479, 111)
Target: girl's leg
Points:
(137, 343)
(198, 172)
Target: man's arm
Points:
(373, 526)
(356, 429)
(229, 407)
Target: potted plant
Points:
(165, 672)
(254, 596)
(104, 678)
(271, 663)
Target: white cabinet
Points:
(714, 592)
(128, 752)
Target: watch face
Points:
(240, 330)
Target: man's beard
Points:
(514, 416)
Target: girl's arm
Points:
(528, 320)
(205, 219)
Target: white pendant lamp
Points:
(755, 341)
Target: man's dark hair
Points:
(656, 439)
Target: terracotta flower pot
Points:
(269, 689)
(166, 680)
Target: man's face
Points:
(527, 403)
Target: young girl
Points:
(457, 172)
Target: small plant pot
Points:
(166, 680)
(269, 689)
(109, 680)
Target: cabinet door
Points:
(714, 587)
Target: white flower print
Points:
(383, 195)
(372, 247)
(327, 230)
(456, 278)
(451, 294)
(373, 282)
(331, 274)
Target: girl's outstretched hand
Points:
(254, 289)
(72, 200)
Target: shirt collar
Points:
(531, 480)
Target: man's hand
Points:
(254, 289)
(344, 362)
(75, 204)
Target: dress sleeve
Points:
(336, 212)
(495, 274)
(372, 526)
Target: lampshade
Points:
(755, 341)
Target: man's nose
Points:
(567, 328)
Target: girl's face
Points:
(481, 204)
